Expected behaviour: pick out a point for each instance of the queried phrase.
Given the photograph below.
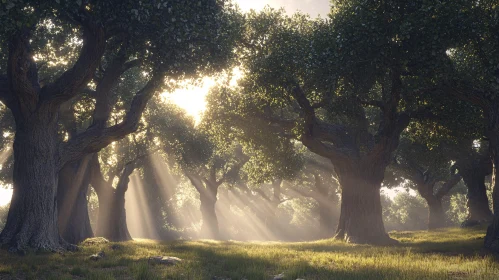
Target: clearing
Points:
(444, 254)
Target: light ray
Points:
(139, 218)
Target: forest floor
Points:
(444, 254)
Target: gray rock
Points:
(279, 276)
(165, 260)
(98, 256)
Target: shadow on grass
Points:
(223, 263)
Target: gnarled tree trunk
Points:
(208, 191)
(361, 219)
(478, 202)
(491, 241)
(32, 218)
(426, 188)
(111, 221)
(209, 215)
(74, 221)
(436, 214)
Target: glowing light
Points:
(5, 193)
(191, 97)
(311, 7)
(393, 192)
(138, 215)
(5, 196)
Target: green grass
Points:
(445, 254)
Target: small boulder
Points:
(98, 256)
(94, 241)
(165, 260)
(279, 276)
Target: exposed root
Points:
(384, 240)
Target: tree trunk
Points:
(74, 221)
(32, 218)
(361, 219)
(436, 215)
(210, 221)
(478, 202)
(111, 221)
(491, 241)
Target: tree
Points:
(171, 39)
(471, 74)
(167, 132)
(429, 172)
(207, 179)
(321, 83)
(474, 165)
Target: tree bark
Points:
(491, 241)
(208, 191)
(32, 218)
(361, 219)
(74, 221)
(111, 221)
(478, 202)
(210, 221)
(426, 188)
(436, 214)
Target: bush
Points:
(405, 212)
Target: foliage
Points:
(405, 212)
(457, 212)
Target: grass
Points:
(444, 254)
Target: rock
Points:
(95, 241)
(98, 256)
(165, 260)
(279, 277)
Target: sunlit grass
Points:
(444, 254)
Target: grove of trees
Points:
(326, 117)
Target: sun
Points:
(191, 97)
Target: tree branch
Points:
(448, 185)
(75, 79)
(97, 180)
(103, 91)
(309, 137)
(95, 138)
(195, 182)
(22, 75)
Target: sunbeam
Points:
(139, 218)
